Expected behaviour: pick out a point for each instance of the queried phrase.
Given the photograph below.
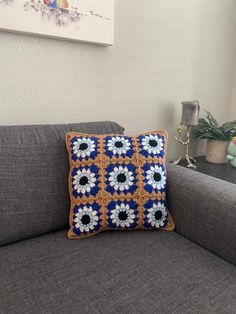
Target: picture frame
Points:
(90, 21)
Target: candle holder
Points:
(190, 114)
(185, 132)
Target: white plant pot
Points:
(216, 151)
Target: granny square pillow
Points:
(117, 182)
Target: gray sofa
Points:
(191, 270)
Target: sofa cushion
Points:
(137, 272)
(34, 195)
(117, 182)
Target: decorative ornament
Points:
(190, 114)
(232, 152)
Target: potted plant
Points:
(218, 137)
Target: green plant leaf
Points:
(208, 127)
(211, 119)
(229, 126)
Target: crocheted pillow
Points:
(117, 182)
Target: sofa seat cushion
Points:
(122, 272)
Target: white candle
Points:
(190, 113)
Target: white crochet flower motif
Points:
(86, 219)
(122, 215)
(121, 178)
(153, 144)
(157, 214)
(156, 177)
(118, 145)
(84, 181)
(83, 147)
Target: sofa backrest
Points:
(34, 169)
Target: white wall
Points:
(232, 110)
(165, 51)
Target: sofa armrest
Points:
(203, 209)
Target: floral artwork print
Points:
(61, 4)
(56, 11)
(84, 20)
(117, 182)
(6, 2)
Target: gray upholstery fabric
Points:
(203, 209)
(33, 177)
(114, 272)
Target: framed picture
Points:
(90, 21)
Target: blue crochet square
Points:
(83, 148)
(86, 218)
(122, 214)
(154, 177)
(85, 180)
(152, 145)
(121, 178)
(155, 214)
(118, 146)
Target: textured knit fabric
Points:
(34, 167)
(204, 209)
(117, 182)
(126, 272)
